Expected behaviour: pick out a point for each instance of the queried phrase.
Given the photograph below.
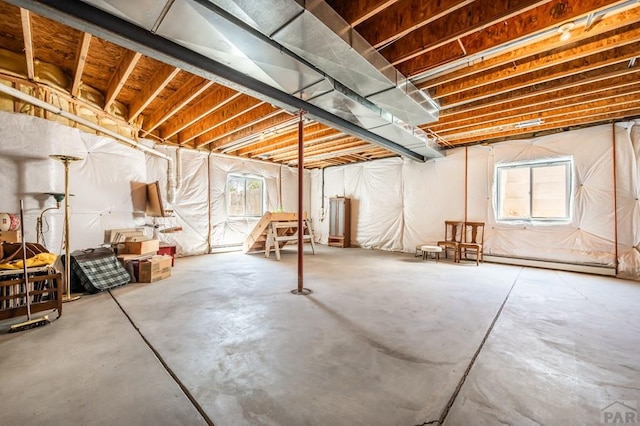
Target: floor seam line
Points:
(453, 397)
(164, 364)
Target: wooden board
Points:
(257, 238)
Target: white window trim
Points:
(228, 201)
(532, 164)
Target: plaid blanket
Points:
(97, 269)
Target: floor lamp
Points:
(66, 160)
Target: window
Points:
(245, 195)
(538, 191)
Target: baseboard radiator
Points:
(226, 248)
(588, 268)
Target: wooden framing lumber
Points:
(81, 59)
(165, 74)
(193, 88)
(25, 18)
(125, 68)
(529, 21)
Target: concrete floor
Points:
(385, 339)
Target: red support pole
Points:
(615, 197)
(300, 204)
(466, 180)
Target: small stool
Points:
(426, 249)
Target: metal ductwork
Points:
(302, 48)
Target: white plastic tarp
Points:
(433, 193)
(589, 235)
(289, 177)
(396, 203)
(628, 190)
(101, 183)
(190, 210)
(225, 230)
(399, 204)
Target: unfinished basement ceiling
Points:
(498, 70)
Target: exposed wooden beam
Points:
(464, 21)
(411, 58)
(189, 91)
(574, 94)
(125, 68)
(214, 99)
(511, 56)
(344, 146)
(357, 11)
(254, 121)
(570, 96)
(577, 69)
(551, 64)
(281, 140)
(570, 120)
(158, 82)
(234, 109)
(600, 106)
(242, 129)
(81, 59)
(286, 136)
(288, 148)
(403, 17)
(589, 79)
(25, 18)
(322, 148)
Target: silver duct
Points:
(302, 48)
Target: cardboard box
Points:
(10, 237)
(155, 269)
(139, 247)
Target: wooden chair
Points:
(453, 234)
(473, 240)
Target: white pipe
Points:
(171, 179)
(469, 60)
(176, 185)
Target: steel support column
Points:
(300, 289)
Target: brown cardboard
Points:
(139, 247)
(155, 269)
(10, 237)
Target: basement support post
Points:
(615, 196)
(466, 171)
(208, 203)
(300, 290)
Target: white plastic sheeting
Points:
(103, 183)
(202, 197)
(233, 230)
(590, 235)
(190, 210)
(433, 193)
(396, 204)
(628, 179)
(399, 204)
(109, 191)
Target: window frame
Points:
(245, 177)
(531, 165)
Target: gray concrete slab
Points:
(90, 367)
(565, 347)
(384, 340)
